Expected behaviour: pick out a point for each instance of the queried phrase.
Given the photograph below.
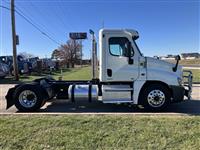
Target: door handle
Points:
(130, 61)
(109, 72)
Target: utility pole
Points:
(15, 67)
(81, 62)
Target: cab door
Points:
(118, 65)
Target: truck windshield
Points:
(137, 47)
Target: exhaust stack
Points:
(94, 55)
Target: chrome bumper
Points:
(187, 78)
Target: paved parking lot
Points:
(63, 106)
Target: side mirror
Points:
(177, 58)
(130, 60)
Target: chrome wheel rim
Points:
(156, 98)
(27, 98)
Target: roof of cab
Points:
(131, 31)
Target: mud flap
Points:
(9, 98)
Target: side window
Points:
(118, 46)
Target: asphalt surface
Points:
(188, 107)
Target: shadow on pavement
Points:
(191, 107)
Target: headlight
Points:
(180, 81)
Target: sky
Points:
(165, 26)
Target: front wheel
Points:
(28, 98)
(155, 97)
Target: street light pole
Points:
(15, 67)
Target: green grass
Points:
(190, 62)
(196, 74)
(186, 62)
(78, 73)
(99, 132)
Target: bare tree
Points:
(69, 53)
(55, 54)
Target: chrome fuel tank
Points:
(83, 92)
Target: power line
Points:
(56, 14)
(30, 22)
(63, 10)
(35, 26)
(37, 23)
(4, 7)
(46, 17)
(60, 18)
(63, 13)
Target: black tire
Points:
(38, 102)
(156, 97)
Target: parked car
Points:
(4, 70)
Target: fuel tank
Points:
(83, 92)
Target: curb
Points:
(79, 113)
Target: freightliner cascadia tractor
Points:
(125, 76)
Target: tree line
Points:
(67, 54)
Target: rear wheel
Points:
(28, 98)
(155, 97)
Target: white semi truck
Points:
(125, 76)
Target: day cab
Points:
(125, 76)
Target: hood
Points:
(158, 64)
